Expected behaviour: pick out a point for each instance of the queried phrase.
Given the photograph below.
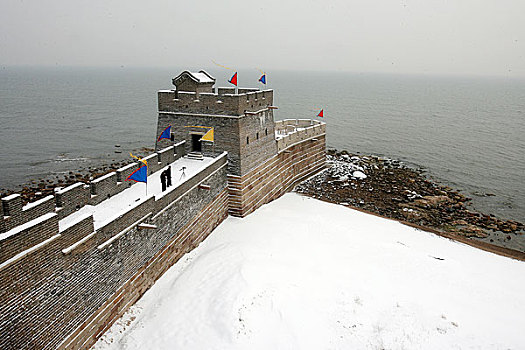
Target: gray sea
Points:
(467, 132)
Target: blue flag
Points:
(262, 79)
(166, 134)
(139, 175)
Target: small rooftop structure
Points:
(200, 81)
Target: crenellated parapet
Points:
(225, 102)
(70, 199)
(291, 131)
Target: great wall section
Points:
(71, 264)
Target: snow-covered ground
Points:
(304, 274)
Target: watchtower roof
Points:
(201, 77)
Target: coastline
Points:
(382, 186)
(390, 189)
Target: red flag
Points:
(321, 113)
(233, 79)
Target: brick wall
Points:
(188, 237)
(225, 102)
(27, 235)
(257, 139)
(15, 214)
(243, 124)
(76, 284)
(226, 132)
(71, 198)
(103, 187)
(273, 178)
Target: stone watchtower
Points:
(265, 158)
(243, 121)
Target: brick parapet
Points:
(12, 208)
(125, 171)
(274, 177)
(296, 130)
(188, 237)
(27, 235)
(70, 199)
(221, 103)
(54, 290)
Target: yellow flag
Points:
(139, 159)
(208, 136)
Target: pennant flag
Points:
(233, 79)
(139, 159)
(262, 79)
(139, 175)
(208, 136)
(165, 134)
(321, 113)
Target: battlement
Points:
(70, 199)
(71, 212)
(289, 132)
(222, 103)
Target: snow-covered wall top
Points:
(289, 132)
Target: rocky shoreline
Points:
(392, 189)
(378, 185)
(40, 188)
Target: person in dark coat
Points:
(168, 177)
(163, 180)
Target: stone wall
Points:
(226, 132)
(274, 177)
(225, 102)
(15, 213)
(61, 285)
(296, 130)
(243, 123)
(72, 198)
(257, 140)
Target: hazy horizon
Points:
(435, 37)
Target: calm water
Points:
(467, 132)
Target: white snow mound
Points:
(359, 174)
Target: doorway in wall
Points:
(196, 145)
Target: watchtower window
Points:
(266, 131)
(257, 135)
(247, 139)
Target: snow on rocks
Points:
(359, 174)
(390, 188)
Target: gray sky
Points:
(481, 37)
